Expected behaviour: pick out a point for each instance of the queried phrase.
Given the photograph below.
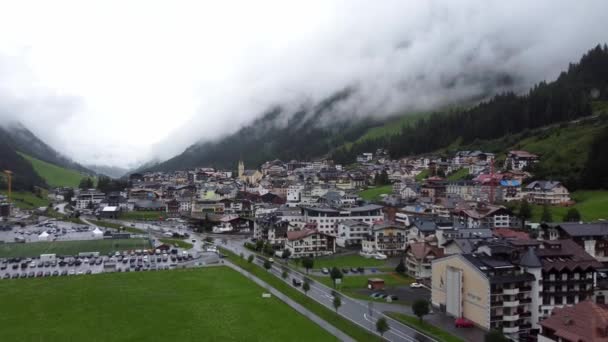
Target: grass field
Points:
(353, 284)
(592, 205)
(142, 215)
(349, 261)
(8, 250)
(117, 226)
(54, 175)
(348, 327)
(458, 175)
(177, 242)
(422, 175)
(373, 194)
(211, 304)
(27, 200)
(429, 329)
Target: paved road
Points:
(354, 310)
(321, 322)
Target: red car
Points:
(463, 323)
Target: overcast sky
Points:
(120, 82)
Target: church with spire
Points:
(248, 176)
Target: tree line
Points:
(565, 99)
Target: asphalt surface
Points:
(356, 311)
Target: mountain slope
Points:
(23, 140)
(110, 171)
(317, 132)
(55, 176)
(567, 98)
(18, 144)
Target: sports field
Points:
(34, 249)
(211, 304)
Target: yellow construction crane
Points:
(9, 173)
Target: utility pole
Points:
(8, 176)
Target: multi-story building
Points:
(418, 258)
(547, 192)
(518, 160)
(351, 233)
(593, 237)
(309, 242)
(327, 217)
(485, 215)
(511, 285)
(87, 199)
(492, 292)
(386, 238)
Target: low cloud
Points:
(161, 78)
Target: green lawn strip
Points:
(373, 194)
(143, 215)
(348, 261)
(427, 328)
(54, 175)
(591, 205)
(352, 284)
(27, 200)
(208, 304)
(33, 249)
(422, 175)
(177, 242)
(348, 327)
(117, 226)
(458, 175)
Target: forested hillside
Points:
(567, 98)
(309, 134)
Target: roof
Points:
(585, 321)
(300, 234)
(421, 250)
(384, 225)
(576, 229)
(544, 185)
(510, 182)
(522, 154)
(565, 254)
(487, 263)
(509, 233)
(529, 259)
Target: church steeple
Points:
(241, 168)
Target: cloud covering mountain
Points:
(119, 83)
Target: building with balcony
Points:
(351, 233)
(309, 242)
(328, 217)
(491, 291)
(418, 258)
(386, 238)
(547, 193)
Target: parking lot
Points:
(57, 230)
(133, 261)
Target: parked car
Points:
(345, 270)
(416, 285)
(378, 295)
(360, 270)
(393, 297)
(296, 282)
(325, 270)
(353, 270)
(463, 323)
